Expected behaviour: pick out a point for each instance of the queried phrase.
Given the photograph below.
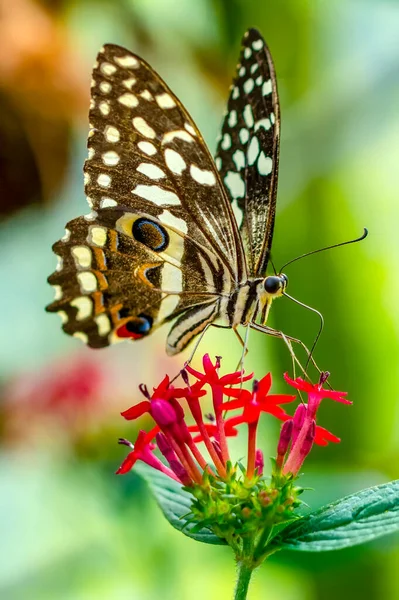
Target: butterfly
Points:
(161, 242)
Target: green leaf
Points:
(175, 503)
(358, 518)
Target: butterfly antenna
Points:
(314, 310)
(359, 239)
(274, 268)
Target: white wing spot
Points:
(111, 134)
(243, 135)
(253, 150)
(165, 101)
(91, 153)
(190, 129)
(168, 219)
(91, 216)
(203, 176)
(254, 67)
(218, 163)
(239, 159)
(84, 306)
(235, 184)
(63, 316)
(87, 282)
(97, 236)
(248, 116)
(127, 61)
(249, 86)
(89, 201)
(265, 123)
(57, 292)
(92, 104)
(257, 44)
(86, 178)
(105, 87)
(129, 83)
(107, 203)
(235, 93)
(156, 194)
(104, 180)
(151, 171)
(82, 256)
(60, 263)
(272, 118)
(103, 324)
(66, 236)
(147, 148)
(247, 52)
(107, 68)
(80, 335)
(267, 87)
(142, 127)
(226, 142)
(241, 71)
(128, 100)
(146, 94)
(174, 161)
(110, 158)
(265, 164)
(259, 80)
(232, 120)
(179, 133)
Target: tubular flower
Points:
(301, 431)
(229, 498)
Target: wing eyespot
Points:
(136, 328)
(151, 234)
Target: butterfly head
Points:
(275, 285)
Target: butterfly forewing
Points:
(247, 153)
(145, 151)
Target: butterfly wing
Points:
(161, 236)
(248, 151)
(145, 151)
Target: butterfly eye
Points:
(150, 234)
(136, 328)
(272, 284)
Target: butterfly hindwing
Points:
(247, 153)
(109, 285)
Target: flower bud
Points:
(298, 421)
(180, 472)
(165, 448)
(163, 413)
(284, 442)
(309, 439)
(285, 437)
(259, 462)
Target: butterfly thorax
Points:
(251, 300)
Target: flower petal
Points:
(137, 410)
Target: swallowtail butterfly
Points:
(161, 242)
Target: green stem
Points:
(244, 577)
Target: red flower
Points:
(257, 401)
(316, 392)
(304, 431)
(142, 450)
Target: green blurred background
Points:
(72, 530)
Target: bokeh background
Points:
(72, 530)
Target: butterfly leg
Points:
(288, 341)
